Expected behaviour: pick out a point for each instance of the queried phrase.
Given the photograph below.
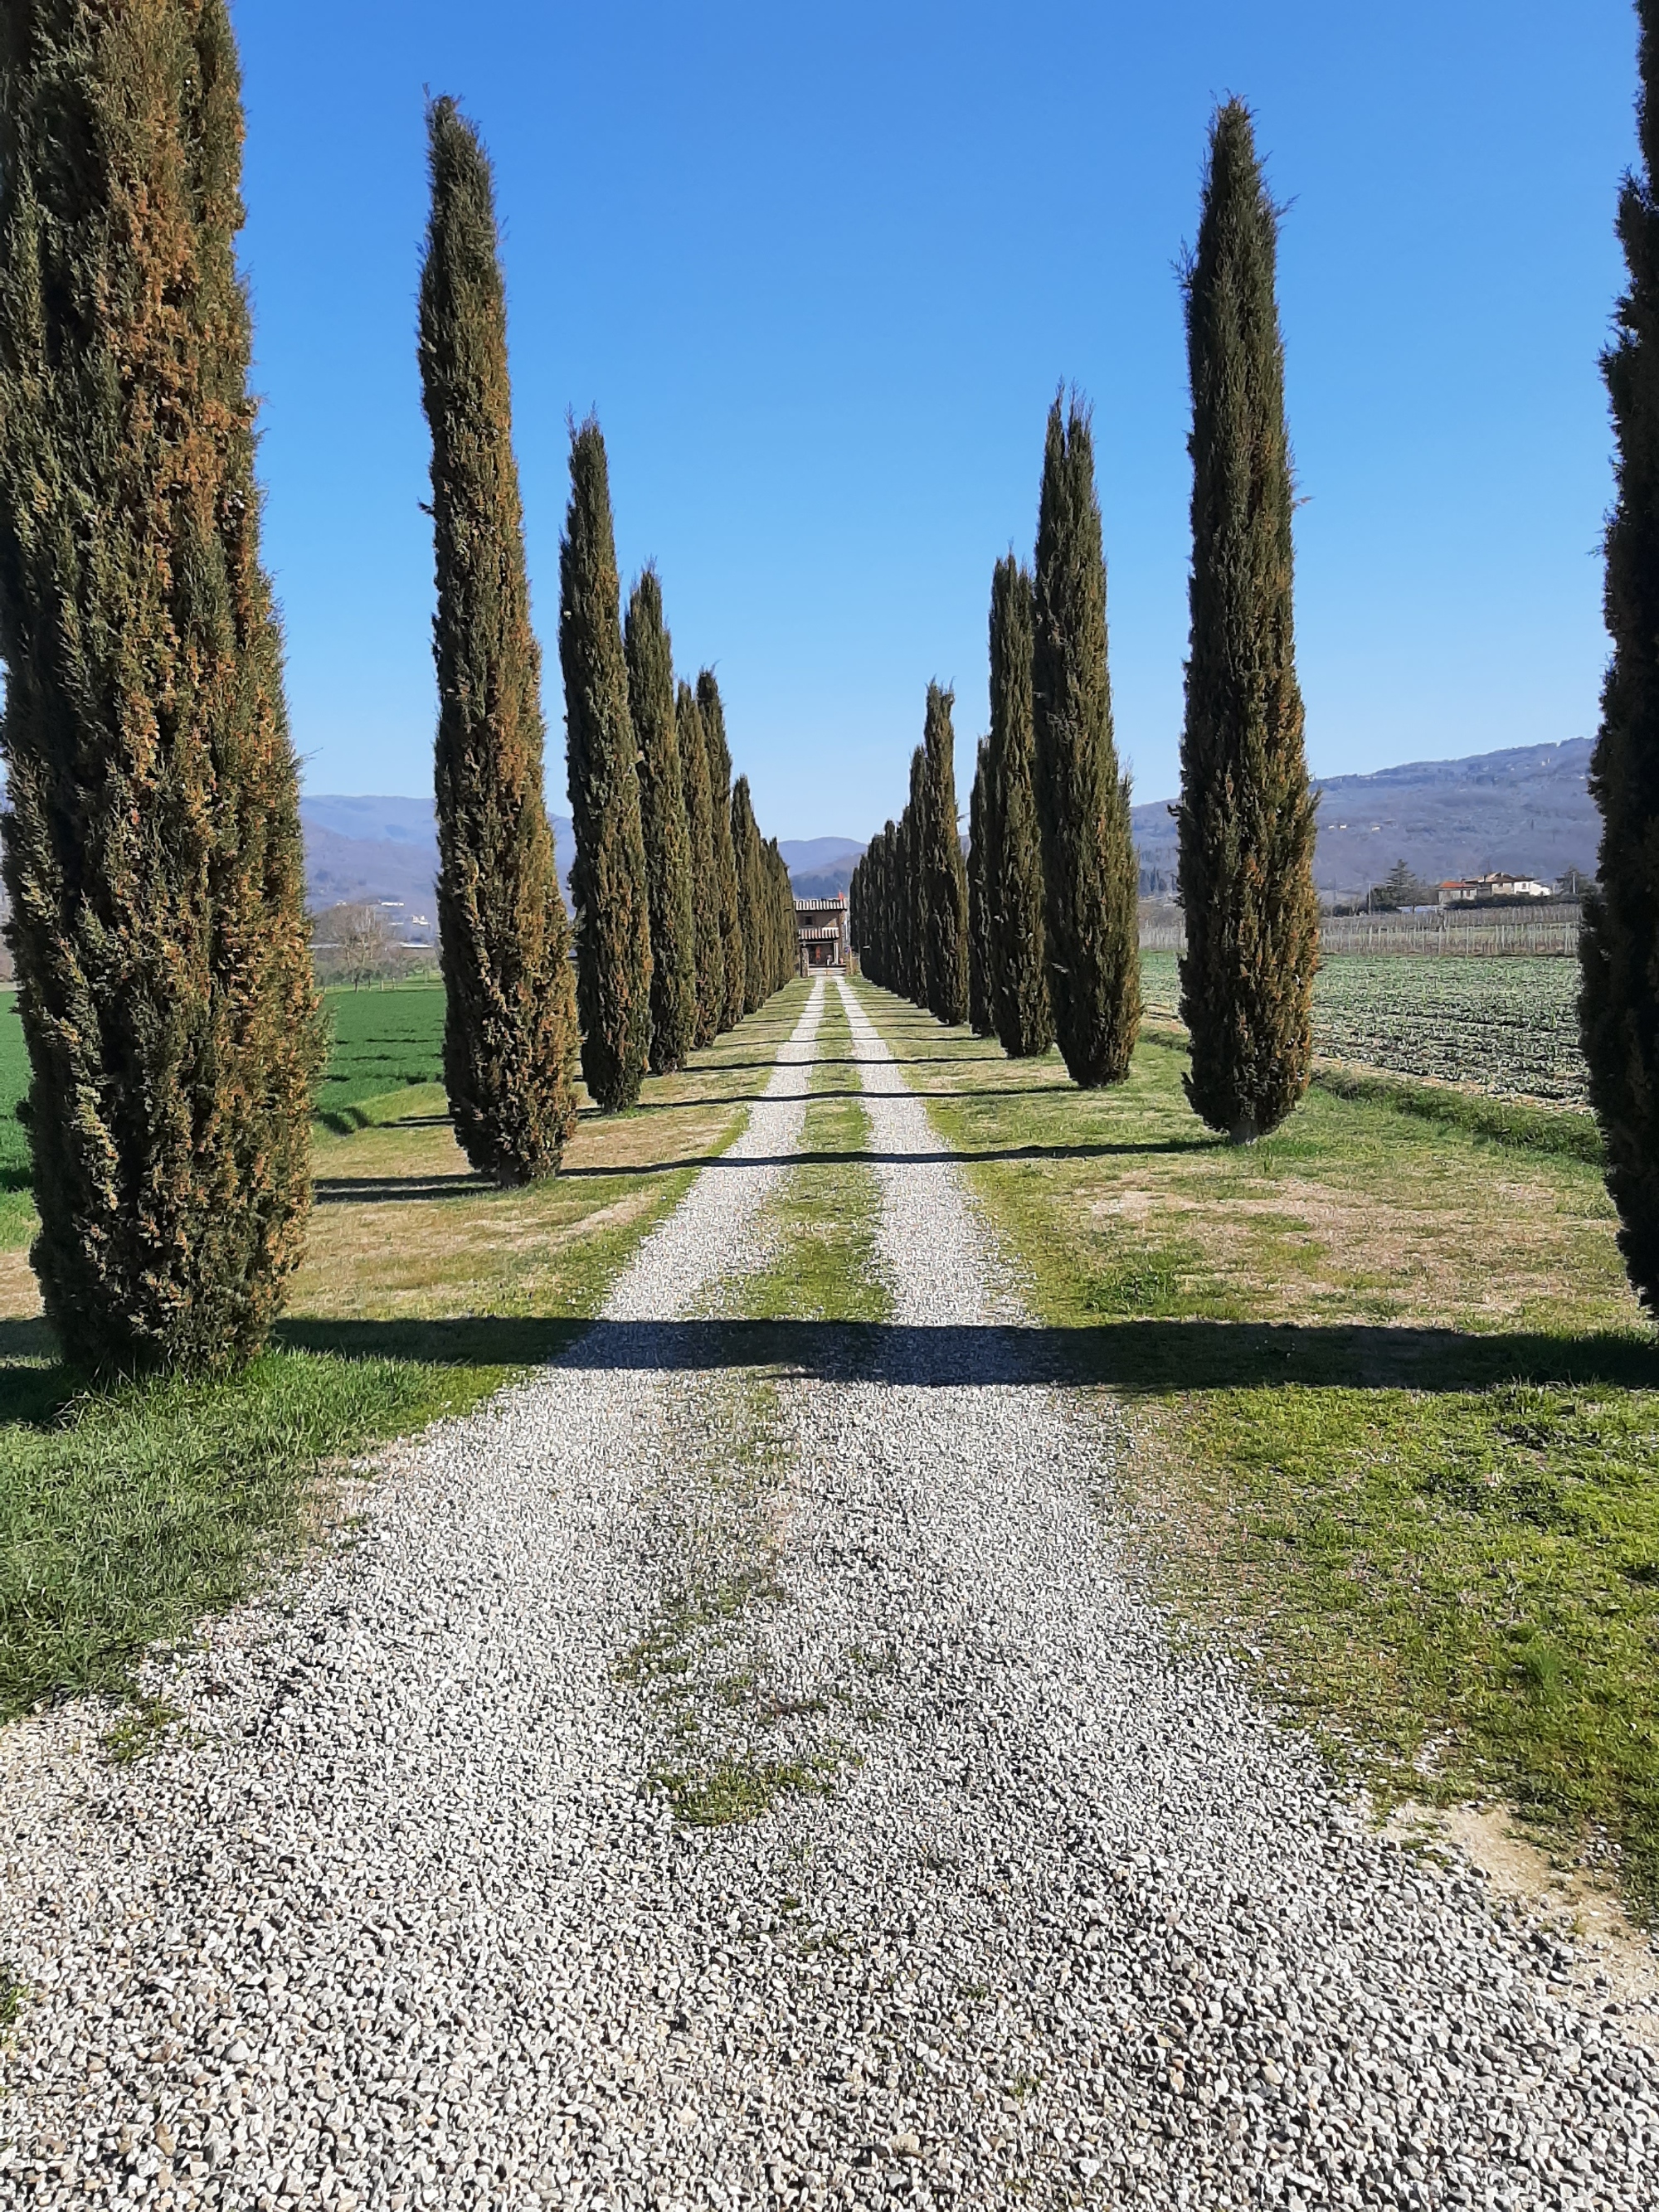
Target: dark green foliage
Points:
(510, 1009)
(979, 903)
(608, 880)
(918, 933)
(781, 907)
(1401, 887)
(1246, 813)
(944, 880)
(726, 864)
(663, 823)
(870, 917)
(1089, 866)
(152, 847)
(705, 905)
(749, 870)
(1619, 1004)
(1019, 961)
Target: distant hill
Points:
(1527, 809)
(820, 867)
(359, 849)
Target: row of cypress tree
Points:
(152, 847)
(681, 926)
(1053, 936)
(909, 896)
(1035, 939)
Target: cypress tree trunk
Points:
(726, 863)
(979, 903)
(751, 895)
(945, 886)
(1019, 958)
(152, 847)
(663, 823)
(1091, 878)
(699, 818)
(509, 1004)
(608, 880)
(1619, 999)
(1246, 813)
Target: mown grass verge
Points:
(126, 1514)
(1398, 1416)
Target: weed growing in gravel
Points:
(737, 1736)
(735, 1788)
(12, 1995)
(1400, 1417)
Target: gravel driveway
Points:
(438, 1894)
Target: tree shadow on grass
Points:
(386, 1190)
(1136, 1357)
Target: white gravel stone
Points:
(400, 1916)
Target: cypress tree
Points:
(1619, 1000)
(509, 1005)
(782, 895)
(700, 820)
(1019, 961)
(979, 902)
(1091, 878)
(751, 895)
(664, 826)
(152, 847)
(917, 918)
(1246, 817)
(726, 863)
(945, 887)
(608, 879)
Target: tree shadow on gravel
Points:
(1134, 1357)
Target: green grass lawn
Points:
(383, 1042)
(126, 1514)
(1396, 1410)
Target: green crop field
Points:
(383, 1040)
(1507, 1025)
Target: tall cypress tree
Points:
(509, 1005)
(726, 864)
(1091, 878)
(945, 886)
(700, 820)
(663, 826)
(1020, 957)
(915, 882)
(608, 879)
(1246, 816)
(152, 846)
(1618, 997)
(979, 902)
(751, 895)
(783, 897)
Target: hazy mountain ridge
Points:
(1527, 809)
(367, 849)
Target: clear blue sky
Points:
(820, 270)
